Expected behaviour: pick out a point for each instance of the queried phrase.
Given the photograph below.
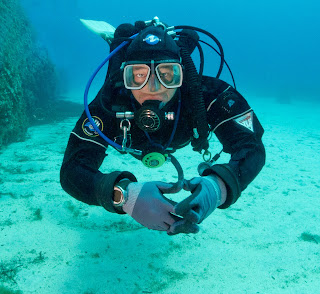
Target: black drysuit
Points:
(228, 114)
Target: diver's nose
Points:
(154, 84)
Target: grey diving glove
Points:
(205, 198)
(147, 205)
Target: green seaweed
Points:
(123, 226)
(10, 268)
(72, 208)
(164, 278)
(95, 255)
(305, 236)
(37, 214)
(39, 259)
(5, 290)
(6, 223)
(8, 271)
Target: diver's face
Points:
(153, 90)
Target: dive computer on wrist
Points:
(120, 194)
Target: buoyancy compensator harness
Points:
(149, 117)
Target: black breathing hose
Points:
(201, 61)
(234, 83)
(213, 38)
(197, 101)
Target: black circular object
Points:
(148, 120)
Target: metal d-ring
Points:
(125, 129)
(207, 156)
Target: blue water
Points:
(271, 46)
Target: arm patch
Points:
(246, 120)
(228, 105)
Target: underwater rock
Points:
(27, 76)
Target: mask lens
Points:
(136, 76)
(169, 74)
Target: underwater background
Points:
(271, 46)
(268, 242)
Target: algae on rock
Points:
(27, 76)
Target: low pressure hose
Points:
(177, 187)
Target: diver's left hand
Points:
(183, 226)
(205, 198)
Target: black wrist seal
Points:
(225, 172)
(104, 188)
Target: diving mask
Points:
(137, 74)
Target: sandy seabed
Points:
(268, 242)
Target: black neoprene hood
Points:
(152, 43)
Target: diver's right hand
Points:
(147, 205)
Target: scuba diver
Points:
(153, 102)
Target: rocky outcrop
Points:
(27, 77)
